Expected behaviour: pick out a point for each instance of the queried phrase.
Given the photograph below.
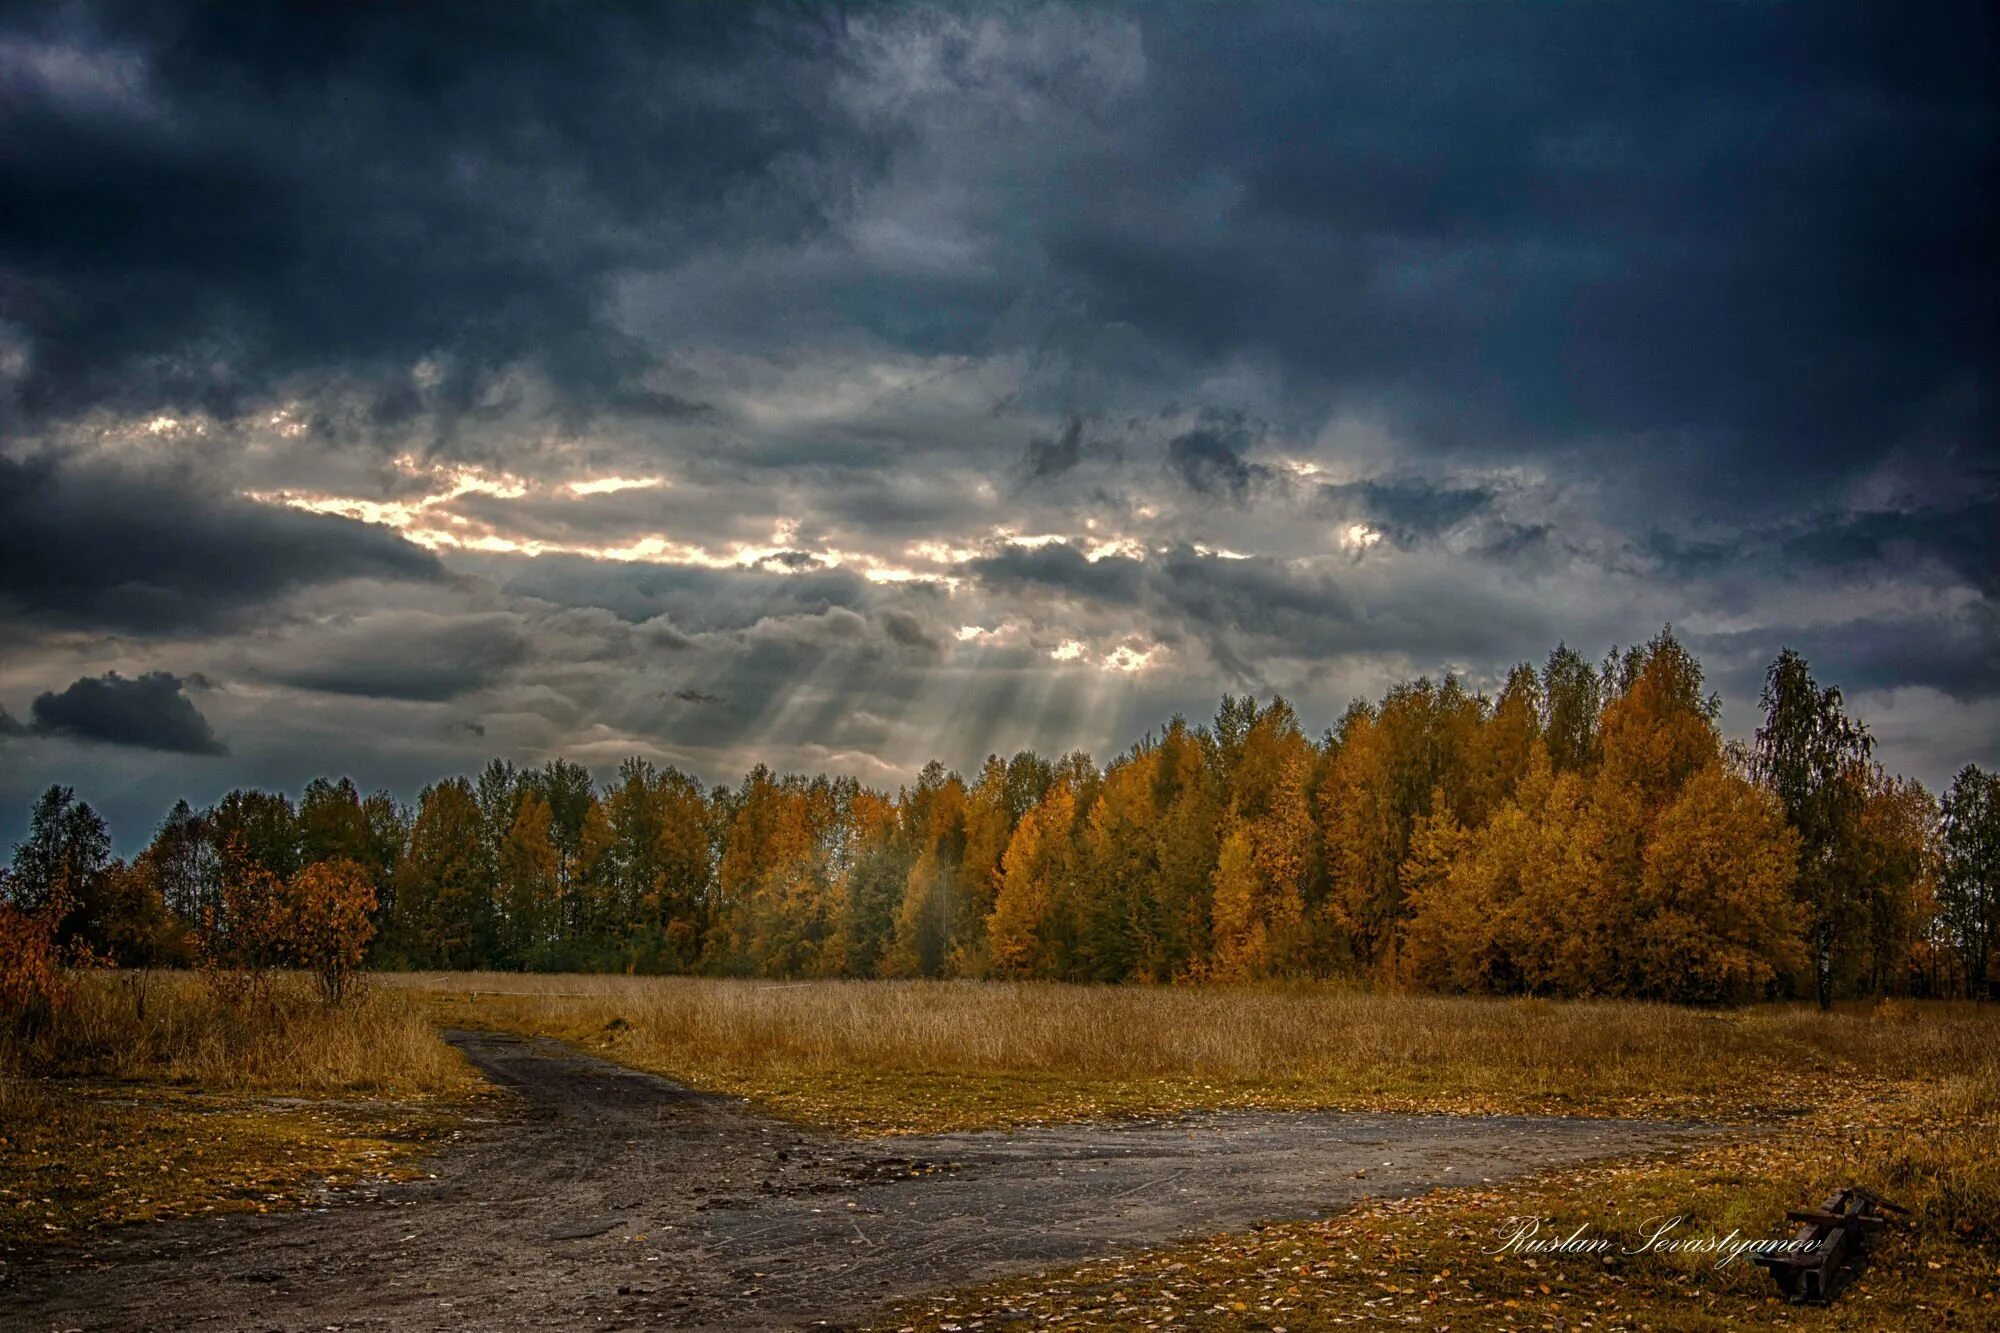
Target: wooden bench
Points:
(1830, 1236)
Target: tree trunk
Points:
(1823, 965)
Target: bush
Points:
(324, 923)
(32, 985)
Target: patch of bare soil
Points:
(609, 1198)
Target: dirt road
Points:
(607, 1198)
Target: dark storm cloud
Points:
(1731, 223)
(1601, 316)
(908, 630)
(1958, 656)
(415, 657)
(149, 713)
(145, 554)
(1953, 539)
(1731, 237)
(1052, 455)
(1962, 537)
(205, 200)
(1062, 570)
(1210, 459)
(693, 598)
(1243, 609)
(1408, 508)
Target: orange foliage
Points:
(31, 976)
(237, 942)
(324, 922)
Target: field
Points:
(150, 1098)
(119, 1114)
(902, 1057)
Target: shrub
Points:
(325, 923)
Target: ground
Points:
(601, 1196)
(1015, 1156)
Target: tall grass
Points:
(1340, 1039)
(170, 1027)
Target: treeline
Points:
(1586, 831)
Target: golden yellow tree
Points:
(1714, 920)
(529, 883)
(1265, 861)
(1039, 861)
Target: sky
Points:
(384, 388)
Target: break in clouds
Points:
(384, 389)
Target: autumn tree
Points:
(1514, 904)
(1658, 728)
(1815, 759)
(1571, 700)
(575, 830)
(1148, 851)
(330, 823)
(1446, 941)
(1187, 840)
(66, 849)
(262, 825)
(989, 825)
(325, 923)
(935, 898)
(782, 877)
(1969, 872)
(186, 862)
(388, 822)
(1359, 829)
(1388, 764)
(444, 893)
(32, 981)
(1501, 746)
(1266, 858)
(498, 789)
(658, 868)
(124, 916)
(878, 870)
(529, 889)
(241, 937)
(1118, 872)
(1897, 836)
(1030, 933)
(1713, 919)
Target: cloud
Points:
(149, 713)
(415, 656)
(1052, 455)
(1310, 345)
(1210, 459)
(285, 195)
(1957, 535)
(90, 545)
(1409, 508)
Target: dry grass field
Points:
(909, 1057)
(149, 1098)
